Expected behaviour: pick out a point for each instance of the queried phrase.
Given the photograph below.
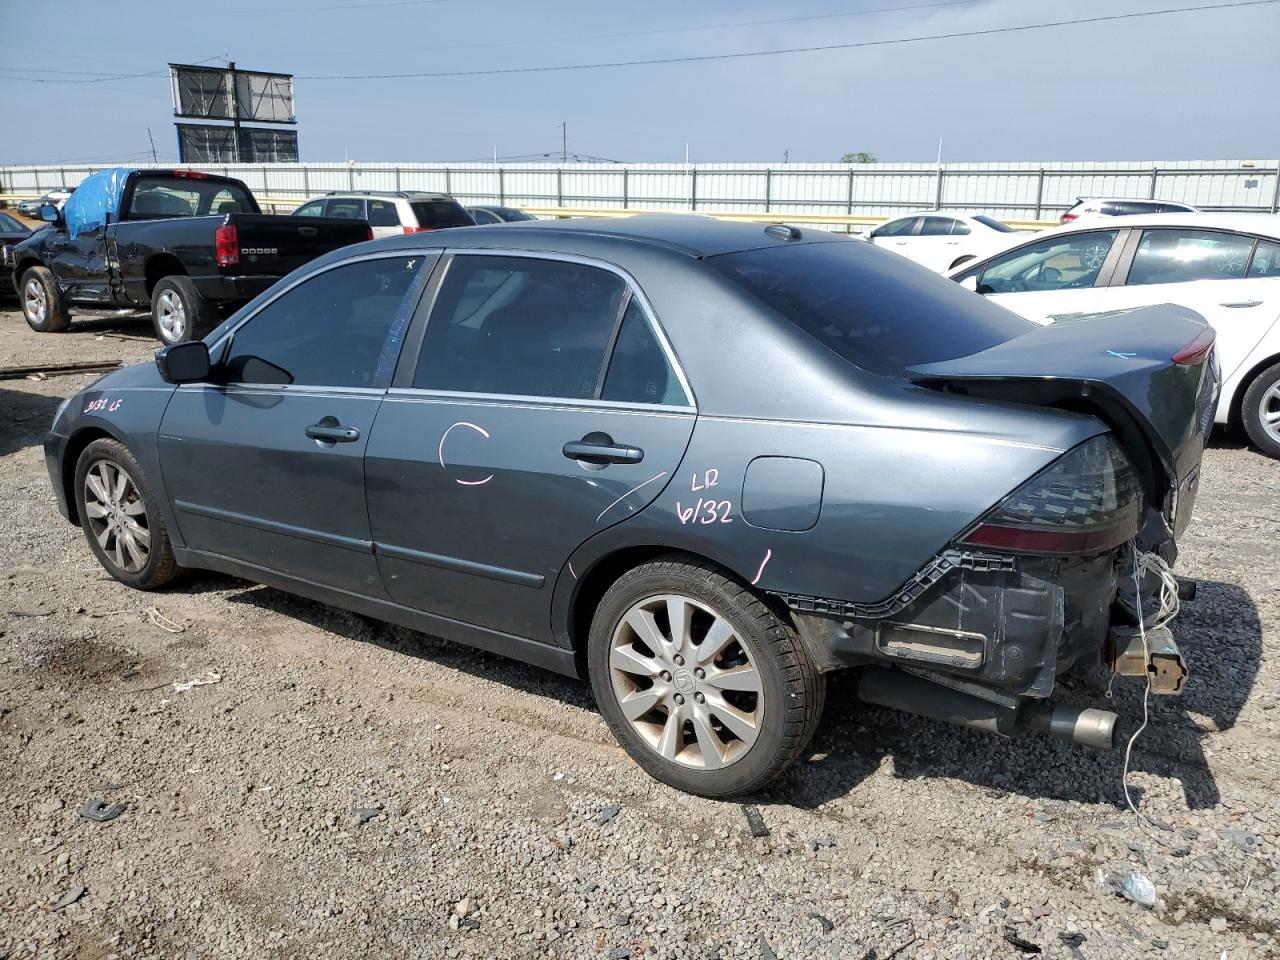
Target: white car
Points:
(939, 240)
(1225, 266)
(1088, 207)
(391, 213)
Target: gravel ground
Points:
(351, 789)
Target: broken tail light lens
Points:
(226, 245)
(1086, 501)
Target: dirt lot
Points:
(487, 785)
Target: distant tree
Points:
(860, 157)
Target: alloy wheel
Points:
(171, 314)
(1269, 411)
(117, 516)
(686, 682)
(35, 301)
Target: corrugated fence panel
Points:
(1021, 190)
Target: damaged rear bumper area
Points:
(981, 639)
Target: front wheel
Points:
(700, 681)
(178, 311)
(120, 517)
(42, 306)
(1260, 411)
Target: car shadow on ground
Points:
(1220, 634)
(24, 418)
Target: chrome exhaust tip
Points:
(1086, 726)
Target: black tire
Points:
(179, 313)
(1263, 398)
(791, 687)
(104, 533)
(42, 305)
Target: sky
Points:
(1186, 86)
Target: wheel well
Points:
(70, 456)
(25, 265)
(1237, 402)
(160, 266)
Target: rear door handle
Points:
(591, 450)
(329, 430)
(1242, 303)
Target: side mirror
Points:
(970, 282)
(184, 362)
(49, 213)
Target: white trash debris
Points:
(182, 686)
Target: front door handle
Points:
(329, 430)
(599, 448)
(1242, 303)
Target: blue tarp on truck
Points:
(97, 197)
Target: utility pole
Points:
(564, 140)
(786, 155)
(235, 110)
(154, 159)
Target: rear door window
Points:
(1266, 260)
(331, 330)
(870, 306)
(520, 326)
(383, 213)
(942, 227)
(439, 214)
(1180, 256)
(347, 208)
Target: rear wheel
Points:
(700, 681)
(178, 311)
(42, 306)
(1260, 411)
(120, 518)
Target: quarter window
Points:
(1056, 263)
(520, 326)
(639, 371)
(1180, 256)
(1266, 260)
(332, 330)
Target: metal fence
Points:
(1013, 191)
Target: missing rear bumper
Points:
(1159, 658)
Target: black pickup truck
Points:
(188, 246)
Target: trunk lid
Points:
(273, 244)
(1120, 367)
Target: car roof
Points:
(1175, 203)
(695, 236)
(397, 194)
(1266, 224)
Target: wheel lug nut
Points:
(666, 676)
(700, 674)
(679, 699)
(700, 698)
(679, 660)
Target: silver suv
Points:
(392, 212)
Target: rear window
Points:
(161, 196)
(438, 214)
(877, 310)
(995, 224)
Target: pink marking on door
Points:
(473, 483)
(461, 423)
(760, 573)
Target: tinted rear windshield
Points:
(437, 214)
(995, 224)
(876, 309)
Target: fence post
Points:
(502, 188)
(448, 182)
(397, 178)
(1039, 193)
(848, 198)
(693, 188)
(351, 178)
(62, 172)
(1275, 196)
(306, 181)
(1151, 190)
(937, 201)
(626, 187)
(768, 190)
(559, 187)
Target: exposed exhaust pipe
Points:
(904, 691)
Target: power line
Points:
(8, 74)
(1021, 28)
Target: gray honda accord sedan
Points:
(703, 464)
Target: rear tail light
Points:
(1195, 351)
(191, 174)
(417, 229)
(1086, 501)
(1068, 217)
(226, 245)
(369, 233)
